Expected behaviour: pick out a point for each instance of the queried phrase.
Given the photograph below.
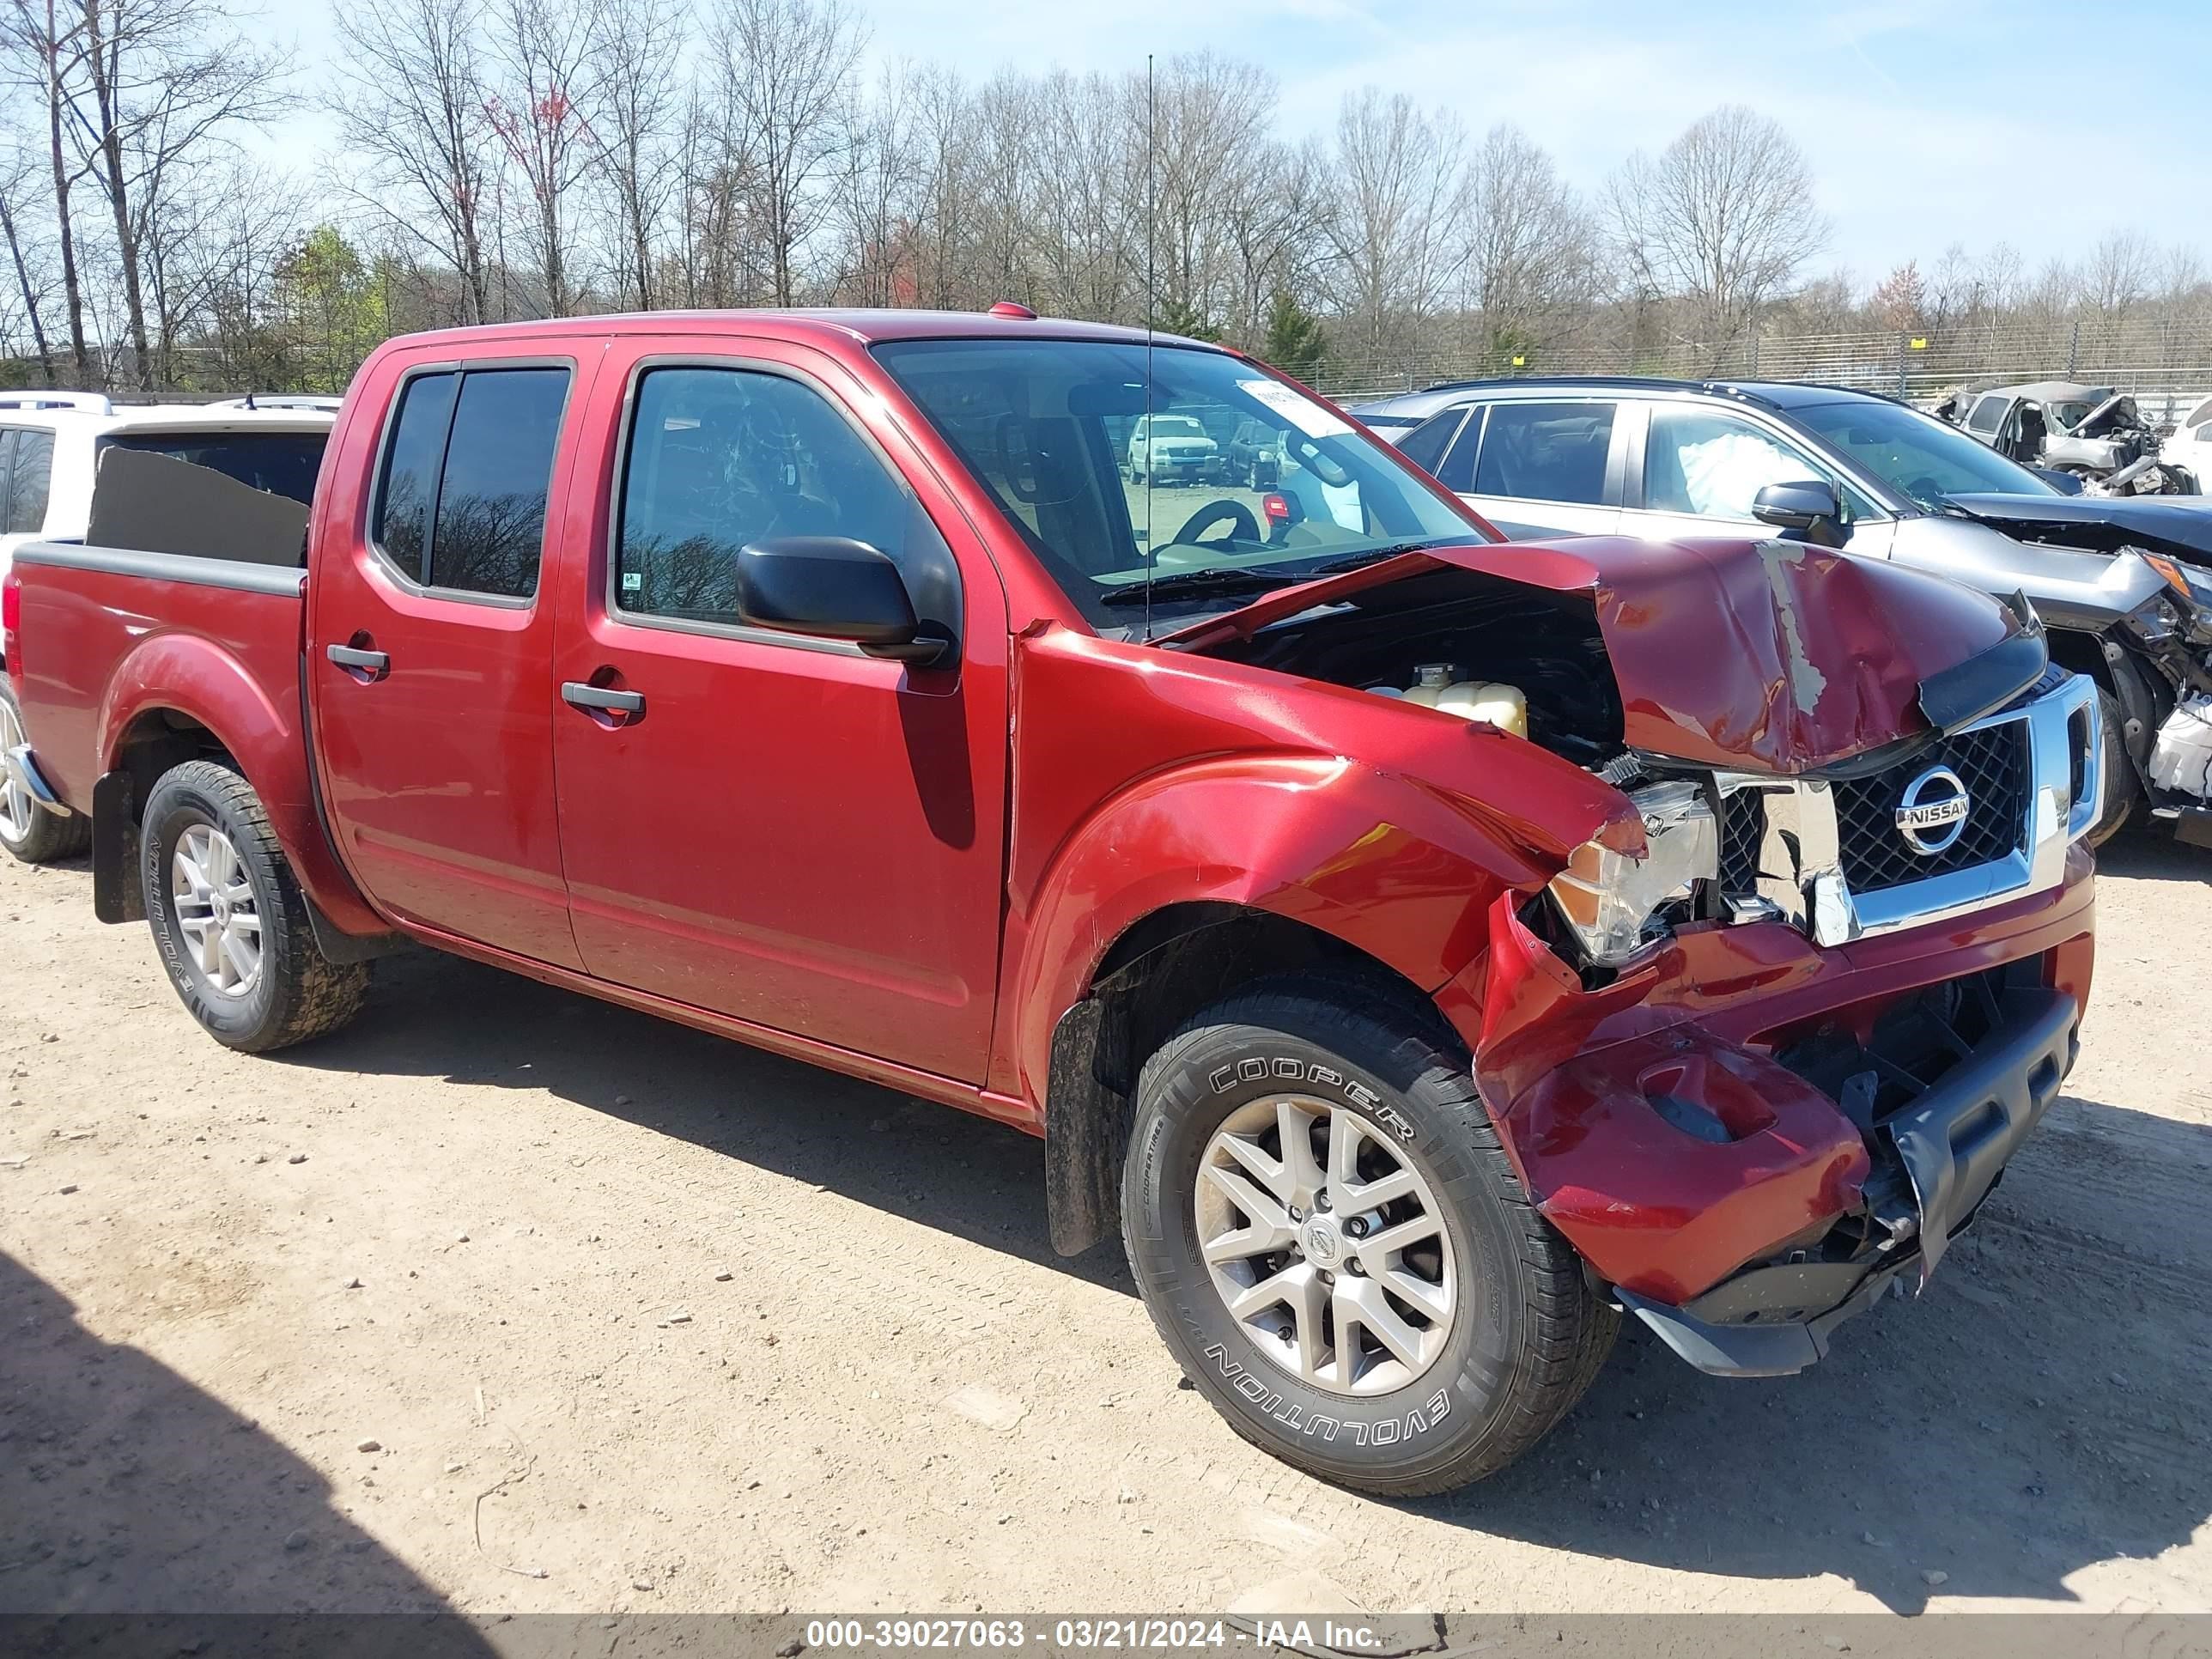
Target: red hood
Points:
(1768, 655)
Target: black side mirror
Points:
(2066, 484)
(832, 587)
(1809, 508)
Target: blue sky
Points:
(2042, 123)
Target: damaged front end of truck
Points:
(1762, 1067)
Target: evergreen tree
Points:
(1293, 342)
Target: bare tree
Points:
(636, 47)
(46, 51)
(1398, 171)
(2118, 275)
(1531, 258)
(1723, 218)
(546, 64)
(787, 74)
(412, 108)
(19, 185)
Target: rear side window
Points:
(1987, 416)
(29, 476)
(412, 457)
(721, 457)
(1546, 451)
(466, 477)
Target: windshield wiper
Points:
(1198, 584)
(1373, 555)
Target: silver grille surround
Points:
(1800, 875)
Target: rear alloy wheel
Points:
(27, 830)
(1335, 1248)
(229, 920)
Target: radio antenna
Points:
(1151, 305)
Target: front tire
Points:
(229, 920)
(1417, 1325)
(27, 830)
(2122, 792)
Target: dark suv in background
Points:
(2124, 584)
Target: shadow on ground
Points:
(2148, 856)
(126, 1489)
(2035, 1413)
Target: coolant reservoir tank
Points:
(1492, 702)
(1431, 681)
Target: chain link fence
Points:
(2167, 365)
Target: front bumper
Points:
(1742, 1201)
(1953, 1144)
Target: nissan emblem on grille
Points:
(1933, 814)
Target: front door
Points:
(1704, 467)
(782, 829)
(430, 657)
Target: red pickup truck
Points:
(1422, 950)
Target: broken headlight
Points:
(1615, 904)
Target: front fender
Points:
(193, 676)
(1399, 871)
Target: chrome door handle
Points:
(579, 695)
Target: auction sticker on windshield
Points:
(1309, 417)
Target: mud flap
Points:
(1956, 1139)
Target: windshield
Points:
(281, 463)
(1057, 431)
(1917, 455)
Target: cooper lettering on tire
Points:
(1327, 1234)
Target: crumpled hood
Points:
(2099, 524)
(1770, 656)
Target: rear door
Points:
(429, 651)
(781, 829)
(1540, 468)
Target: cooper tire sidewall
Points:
(1432, 1420)
(179, 808)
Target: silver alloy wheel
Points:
(1326, 1244)
(17, 804)
(215, 911)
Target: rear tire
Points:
(229, 920)
(27, 830)
(1500, 1334)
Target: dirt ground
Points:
(505, 1300)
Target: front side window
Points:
(718, 458)
(466, 473)
(1698, 460)
(2200, 419)
(30, 475)
(1102, 457)
(1546, 453)
(1921, 458)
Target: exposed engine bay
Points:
(1835, 852)
(1544, 650)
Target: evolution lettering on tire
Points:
(1330, 1239)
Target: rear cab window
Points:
(468, 462)
(281, 463)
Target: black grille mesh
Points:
(1992, 762)
(1743, 824)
